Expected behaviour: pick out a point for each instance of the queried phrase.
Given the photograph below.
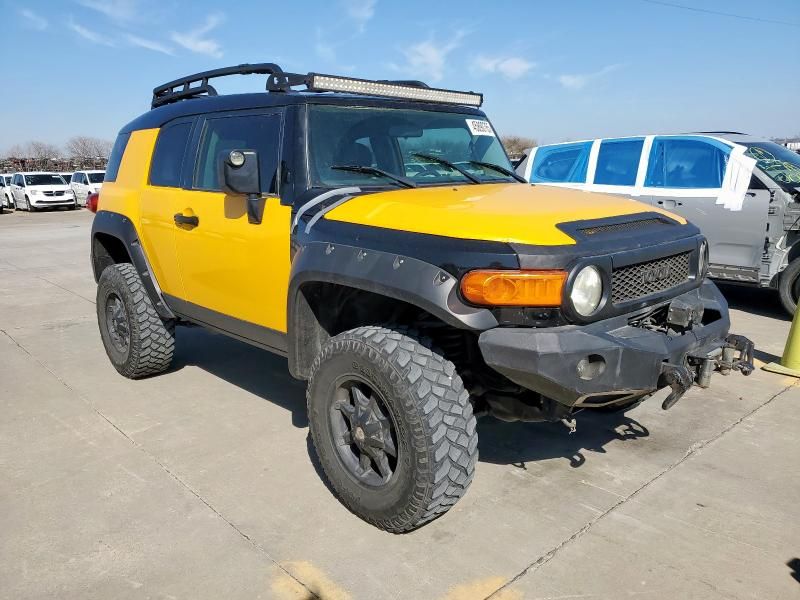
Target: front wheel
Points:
(137, 340)
(392, 426)
(789, 286)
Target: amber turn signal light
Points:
(514, 288)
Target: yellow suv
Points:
(374, 232)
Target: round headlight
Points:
(587, 291)
(702, 260)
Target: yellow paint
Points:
(230, 265)
(498, 212)
(288, 587)
(483, 588)
(226, 264)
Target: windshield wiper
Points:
(446, 163)
(499, 169)
(375, 171)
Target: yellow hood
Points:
(503, 212)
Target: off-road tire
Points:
(433, 420)
(152, 339)
(787, 281)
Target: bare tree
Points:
(16, 151)
(85, 148)
(516, 145)
(41, 154)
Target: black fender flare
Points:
(396, 276)
(120, 227)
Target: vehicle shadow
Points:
(517, 444)
(266, 375)
(257, 371)
(758, 301)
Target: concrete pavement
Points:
(201, 484)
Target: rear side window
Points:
(565, 163)
(249, 132)
(115, 158)
(618, 161)
(165, 169)
(686, 163)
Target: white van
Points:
(84, 183)
(6, 201)
(741, 191)
(33, 191)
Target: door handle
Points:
(181, 219)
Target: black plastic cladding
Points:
(120, 227)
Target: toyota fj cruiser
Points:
(375, 234)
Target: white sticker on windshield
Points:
(479, 127)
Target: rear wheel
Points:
(137, 340)
(392, 425)
(789, 286)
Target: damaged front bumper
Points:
(618, 360)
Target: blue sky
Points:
(554, 70)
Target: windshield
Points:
(96, 177)
(393, 141)
(779, 163)
(44, 179)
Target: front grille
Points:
(626, 226)
(651, 277)
(56, 193)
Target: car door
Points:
(697, 177)
(166, 179)
(18, 189)
(235, 273)
(74, 185)
(83, 186)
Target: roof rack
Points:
(197, 85)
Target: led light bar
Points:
(330, 83)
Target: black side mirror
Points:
(240, 175)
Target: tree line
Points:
(80, 151)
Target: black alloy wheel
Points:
(364, 431)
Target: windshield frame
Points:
(378, 185)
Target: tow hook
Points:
(680, 379)
(744, 362)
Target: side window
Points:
(247, 132)
(565, 163)
(686, 163)
(618, 161)
(115, 158)
(165, 168)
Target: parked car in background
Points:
(6, 200)
(33, 191)
(743, 192)
(85, 183)
(66, 177)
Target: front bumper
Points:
(43, 201)
(612, 362)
